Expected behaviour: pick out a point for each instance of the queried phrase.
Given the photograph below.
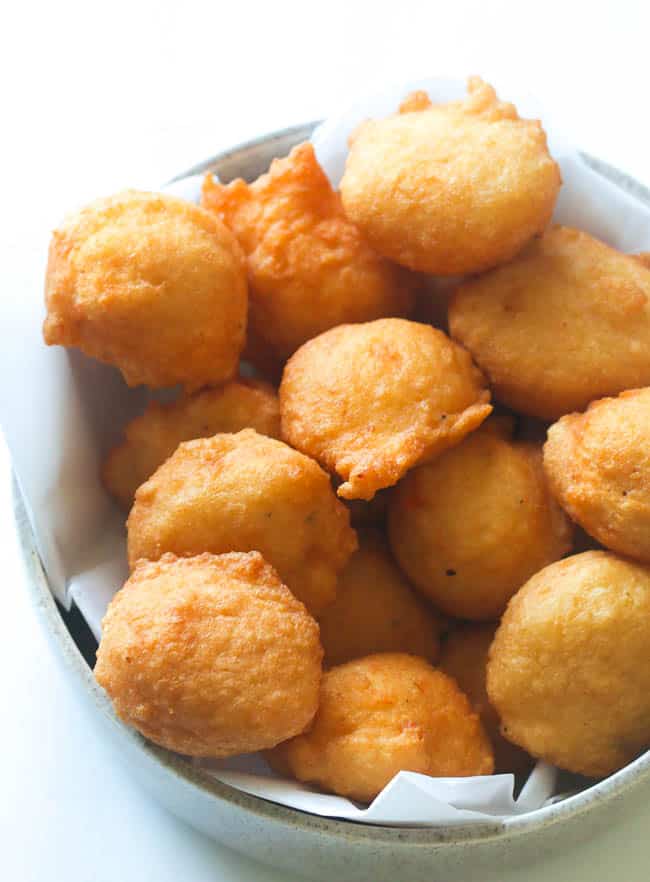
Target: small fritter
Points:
(566, 322)
(464, 657)
(376, 610)
(371, 401)
(450, 189)
(151, 284)
(210, 655)
(470, 528)
(380, 715)
(151, 438)
(246, 492)
(568, 669)
(309, 267)
(598, 467)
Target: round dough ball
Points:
(246, 492)
(151, 438)
(566, 322)
(210, 655)
(309, 267)
(450, 189)
(470, 528)
(371, 401)
(568, 671)
(464, 657)
(151, 284)
(598, 467)
(380, 715)
(376, 610)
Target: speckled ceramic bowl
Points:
(305, 844)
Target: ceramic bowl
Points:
(304, 844)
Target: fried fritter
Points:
(371, 401)
(453, 188)
(598, 467)
(380, 715)
(566, 322)
(151, 438)
(210, 655)
(309, 267)
(464, 657)
(246, 492)
(568, 669)
(470, 528)
(376, 610)
(151, 284)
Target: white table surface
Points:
(95, 98)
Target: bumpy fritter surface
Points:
(154, 436)
(566, 322)
(598, 466)
(151, 284)
(210, 655)
(383, 714)
(246, 492)
(376, 610)
(568, 671)
(309, 267)
(370, 401)
(452, 188)
(470, 528)
(464, 656)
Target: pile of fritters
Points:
(365, 570)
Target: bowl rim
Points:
(176, 767)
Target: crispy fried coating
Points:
(380, 715)
(246, 492)
(151, 284)
(210, 655)
(308, 265)
(598, 467)
(470, 528)
(453, 188)
(376, 610)
(370, 401)
(464, 657)
(568, 671)
(152, 437)
(566, 322)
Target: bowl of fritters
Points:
(452, 454)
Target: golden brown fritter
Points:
(152, 437)
(246, 492)
(450, 189)
(464, 657)
(566, 322)
(470, 528)
(308, 265)
(598, 467)
(210, 655)
(568, 670)
(370, 401)
(376, 610)
(380, 715)
(151, 284)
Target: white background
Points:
(98, 97)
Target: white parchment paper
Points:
(61, 412)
